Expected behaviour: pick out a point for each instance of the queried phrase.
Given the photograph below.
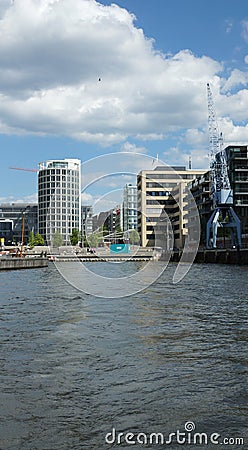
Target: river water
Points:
(74, 366)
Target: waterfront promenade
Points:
(70, 254)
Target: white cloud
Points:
(233, 107)
(81, 69)
(86, 198)
(198, 141)
(237, 78)
(234, 134)
(107, 200)
(173, 156)
(195, 137)
(32, 198)
(178, 157)
(52, 55)
(4, 6)
(128, 147)
(199, 159)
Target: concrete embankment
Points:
(223, 256)
(22, 263)
(217, 256)
(100, 258)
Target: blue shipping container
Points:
(119, 248)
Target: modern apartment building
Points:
(130, 216)
(162, 204)
(237, 162)
(201, 189)
(113, 221)
(59, 198)
(110, 222)
(87, 220)
(11, 217)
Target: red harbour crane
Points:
(22, 168)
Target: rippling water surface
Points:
(74, 366)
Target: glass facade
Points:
(130, 216)
(14, 212)
(237, 160)
(6, 231)
(87, 220)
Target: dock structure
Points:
(105, 256)
(223, 256)
(217, 256)
(214, 256)
(22, 263)
(203, 256)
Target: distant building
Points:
(162, 204)
(118, 218)
(11, 215)
(59, 198)
(201, 189)
(99, 219)
(110, 222)
(130, 215)
(6, 231)
(87, 220)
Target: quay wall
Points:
(22, 263)
(217, 256)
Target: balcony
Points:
(241, 168)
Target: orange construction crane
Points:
(23, 231)
(21, 168)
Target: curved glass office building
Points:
(59, 199)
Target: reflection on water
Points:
(111, 280)
(73, 366)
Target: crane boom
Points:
(222, 192)
(21, 168)
(215, 137)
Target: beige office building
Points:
(162, 205)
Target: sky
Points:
(83, 79)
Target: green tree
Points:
(38, 239)
(35, 239)
(58, 239)
(134, 237)
(31, 240)
(75, 236)
(94, 239)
